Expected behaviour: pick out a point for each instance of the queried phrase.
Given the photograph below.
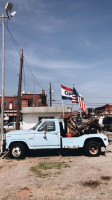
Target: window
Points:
(10, 105)
(5, 103)
(110, 109)
(47, 126)
(35, 127)
(11, 124)
(15, 103)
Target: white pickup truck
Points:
(49, 134)
(11, 126)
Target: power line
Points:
(32, 73)
(18, 50)
(28, 86)
(13, 39)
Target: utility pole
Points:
(19, 91)
(50, 95)
(3, 66)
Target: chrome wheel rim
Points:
(16, 151)
(93, 149)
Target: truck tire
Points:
(17, 151)
(92, 149)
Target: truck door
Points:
(47, 136)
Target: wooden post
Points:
(19, 92)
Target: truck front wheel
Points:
(17, 151)
(92, 149)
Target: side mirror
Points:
(44, 134)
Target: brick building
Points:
(27, 100)
(107, 109)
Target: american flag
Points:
(74, 99)
(80, 100)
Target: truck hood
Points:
(19, 132)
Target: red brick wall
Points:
(33, 99)
(27, 100)
(24, 103)
(8, 101)
(108, 108)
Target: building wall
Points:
(107, 109)
(29, 120)
(9, 100)
(24, 103)
(28, 100)
(31, 116)
(35, 100)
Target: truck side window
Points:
(47, 126)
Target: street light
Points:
(8, 8)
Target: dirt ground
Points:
(78, 178)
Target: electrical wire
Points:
(28, 86)
(32, 73)
(13, 39)
(18, 50)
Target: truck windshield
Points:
(35, 127)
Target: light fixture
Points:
(8, 8)
(12, 14)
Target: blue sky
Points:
(64, 41)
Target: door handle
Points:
(44, 135)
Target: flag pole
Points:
(63, 106)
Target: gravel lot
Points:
(79, 177)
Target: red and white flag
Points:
(74, 99)
(80, 101)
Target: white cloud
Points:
(61, 64)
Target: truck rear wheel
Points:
(92, 149)
(17, 151)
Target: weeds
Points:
(40, 169)
(38, 172)
(52, 165)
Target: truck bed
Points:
(78, 142)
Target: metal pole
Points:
(50, 95)
(3, 66)
(34, 95)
